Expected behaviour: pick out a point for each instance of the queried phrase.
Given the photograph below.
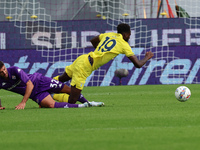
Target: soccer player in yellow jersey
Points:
(107, 46)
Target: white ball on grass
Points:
(182, 93)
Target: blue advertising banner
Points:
(49, 47)
(183, 69)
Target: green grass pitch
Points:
(146, 117)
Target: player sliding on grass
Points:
(107, 46)
(36, 87)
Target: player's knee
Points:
(51, 105)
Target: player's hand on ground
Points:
(2, 107)
(20, 106)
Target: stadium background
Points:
(45, 36)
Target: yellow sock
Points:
(56, 78)
(61, 97)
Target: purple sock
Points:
(65, 105)
(82, 99)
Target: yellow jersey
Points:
(110, 45)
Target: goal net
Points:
(46, 36)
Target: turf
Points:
(146, 117)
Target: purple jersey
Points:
(43, 86)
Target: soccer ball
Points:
(121, 73)
(182, 93)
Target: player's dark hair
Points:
(123, 28)
(1, 64)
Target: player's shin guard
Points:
(64, 98)
(67, 105)
(61, 97)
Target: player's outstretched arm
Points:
(139, 63)
(29, 88)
